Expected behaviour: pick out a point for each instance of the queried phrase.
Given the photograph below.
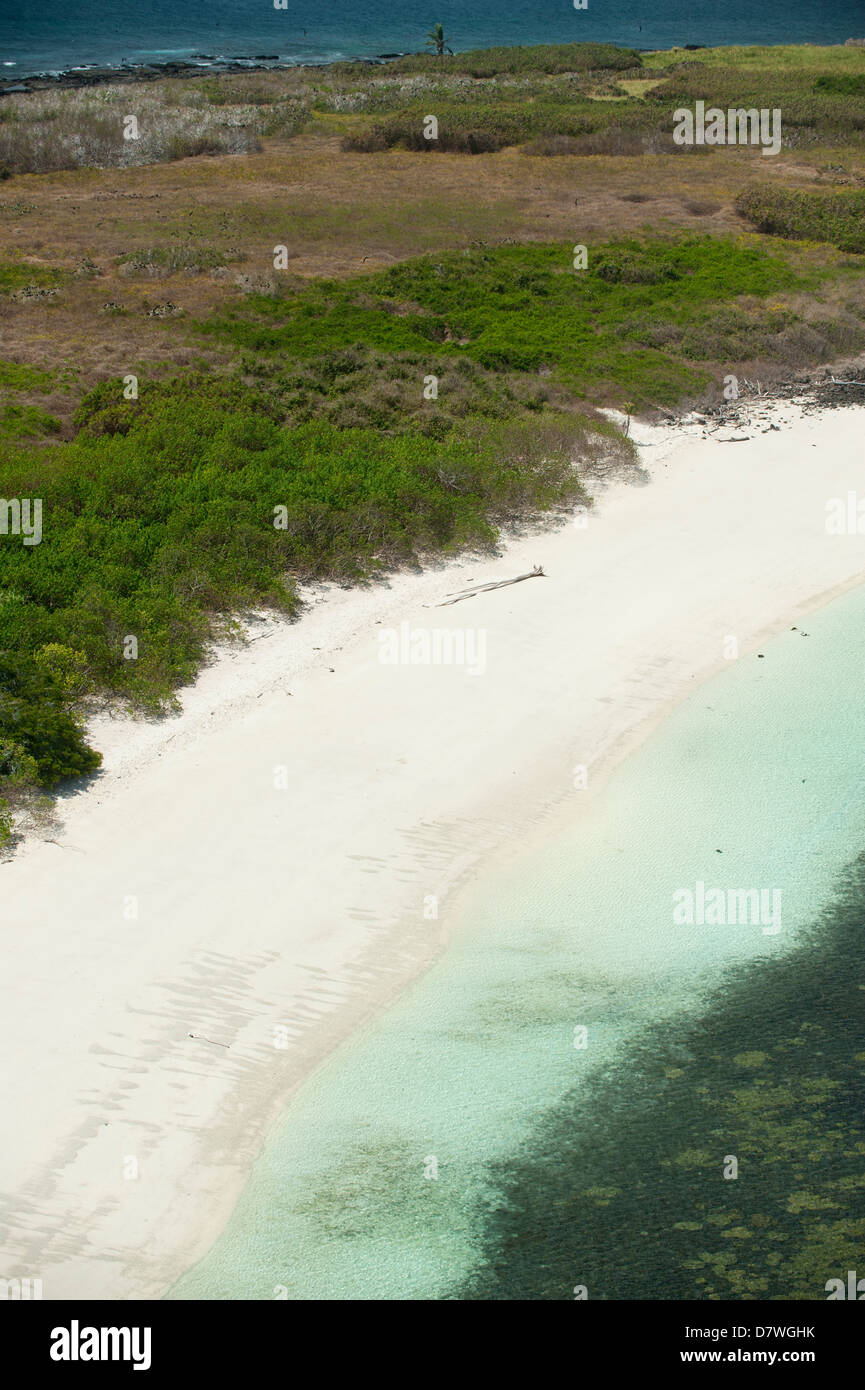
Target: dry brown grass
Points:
(338, 213)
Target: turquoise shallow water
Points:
(387, 1172)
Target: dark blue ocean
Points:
(36, 36)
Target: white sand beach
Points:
(245, 884)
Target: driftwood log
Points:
(536, 573)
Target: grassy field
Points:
(408, 259)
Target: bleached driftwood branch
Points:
(536, 573)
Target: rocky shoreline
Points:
(825, 388)
(197, 66)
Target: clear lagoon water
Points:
(467, 1145)
(70, 33)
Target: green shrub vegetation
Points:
(40, 741)
(41, 737)
(537, 58)
(487, 115)
(158, 517)
(841, 83)
(571, 100)
(838, 217)
(26, 422)
(809, 112)
(473, 129)
(17, 376)
(360, 387)
(18, 275)
(629, 328)
(195, 501)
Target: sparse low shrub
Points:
(87, 129)
(20, 376)
(169, 260)
(476, 127)
(18, 275)
(628, 140)
(285, 119)
(234, 91)
(7, 824)
(188, 146)
(630, 268)
(551, 145)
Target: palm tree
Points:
(436, 39)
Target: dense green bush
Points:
(40, 741)
(200, 503)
